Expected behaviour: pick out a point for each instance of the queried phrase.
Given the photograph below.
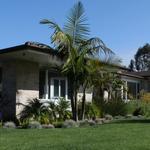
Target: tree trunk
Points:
(83, 103)
(76, 105)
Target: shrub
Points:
(145, 97)
(91, 122)
(108, 117)
(48, 126)
(24, 124)
(99, 121)
(62, 108)
(44, 118)
(34, 125)
(1, 124)
(70, 124)
(58, 124)
(91, 111)
(86, 123)
(83, 123)
(9, 125)
(120, 117)
(138, 111)
(138, 108)
(115, 107)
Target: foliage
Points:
(31, 110)
(91, 111)
(86, 123)
(145, 97)
(70, 124)
(138, 107)
(132, 65)
(45, 112)
(108, 117)
(1, 125)
(74, 42)
(48, 126)
(116, 106)
(58, 124)
(9, 125)
(141, 60)
(34, 125)
(106, 81)
(63, 109)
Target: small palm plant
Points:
(31, 110)
(63, 109)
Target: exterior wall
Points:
(27, 83)
(8, 101)
(20, 82)
(88, 97)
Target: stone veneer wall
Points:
(20, 83)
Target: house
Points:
(28, 71)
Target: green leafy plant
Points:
(63, 107)
(116, 106)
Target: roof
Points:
(130, 74)
(32, 45)
(142, 73)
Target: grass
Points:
(120, 136)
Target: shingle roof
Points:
(32, 45)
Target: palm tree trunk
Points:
(72, 99)
(76, 105)
(83, 102)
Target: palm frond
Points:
(95, 47)
(76, 25)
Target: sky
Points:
(123, 25)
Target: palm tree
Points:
(73, 41)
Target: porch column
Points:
(122, 92)
(126, 94)
(136, 95)
(66, 94)
(46, 84)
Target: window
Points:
(58, 88)
(63, 88)
(52, 87)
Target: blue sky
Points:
(124, 25)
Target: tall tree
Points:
(132, 65)
(74, 42)
(142, 58)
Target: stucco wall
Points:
(27, 83)
(8, 101)
(20, 82)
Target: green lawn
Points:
(121, 136)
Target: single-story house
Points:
(27, 72)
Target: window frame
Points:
(51, 90)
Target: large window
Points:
(59, 86)
(131, 89)
(52, 87)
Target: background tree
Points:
(142, 58)
(132, 65)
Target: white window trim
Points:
(52, 87)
